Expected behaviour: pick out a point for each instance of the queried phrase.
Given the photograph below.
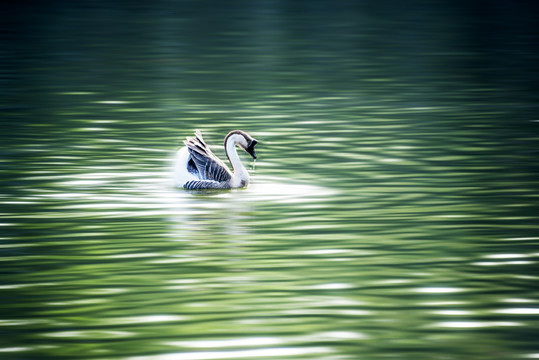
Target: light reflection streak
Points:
(207, 355)
(452, 312)
(105, 291)
(331, 286)
(21, 322)
(78, 302)
(499, 263)
(327, 311)
(395, 281)
(255, 341)
(519, 311)
(77, 93)
(333, 335)
(146, 319)
(260, 341)
(518, 300)
(14, 349)
(176, 260)
(132, 255)
(280, 190)
(92, 334)
(18, 286)
(92, 129)
(505, 256)
(475, 324)
(17, 245)
(438, 290)
(112, 102)
(326, 251)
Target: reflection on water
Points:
(392, 212)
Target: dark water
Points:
(393, 212)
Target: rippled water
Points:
(393, 211)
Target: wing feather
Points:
(208, 165)
(205, 184)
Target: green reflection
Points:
(392, 212)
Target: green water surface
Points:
(393, 210)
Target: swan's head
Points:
(243, 140)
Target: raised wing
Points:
(208, 165)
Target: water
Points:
(392, 213)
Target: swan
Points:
(197, 168)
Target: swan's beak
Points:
(251, 148)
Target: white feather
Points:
(180, 173)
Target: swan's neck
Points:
(240, 176)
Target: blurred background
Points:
(393, 210)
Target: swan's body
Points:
(196, 167)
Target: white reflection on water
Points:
(257, 341)
(112, 102)
(96, 334)
(17, 286)
(327, 311)
(282, 191)
(226, 342)
(14, 349)
(132, 255)
(116, 194)
(475, 324)
(146, 319)
(334, 335)
(498, 263)
(517, 300)
(207, 355)
(229, 211)
(452, 312)
(330, 286)
(519, 311)
(438, 290)
(104, 291)
(506, 259)
(505, 256)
